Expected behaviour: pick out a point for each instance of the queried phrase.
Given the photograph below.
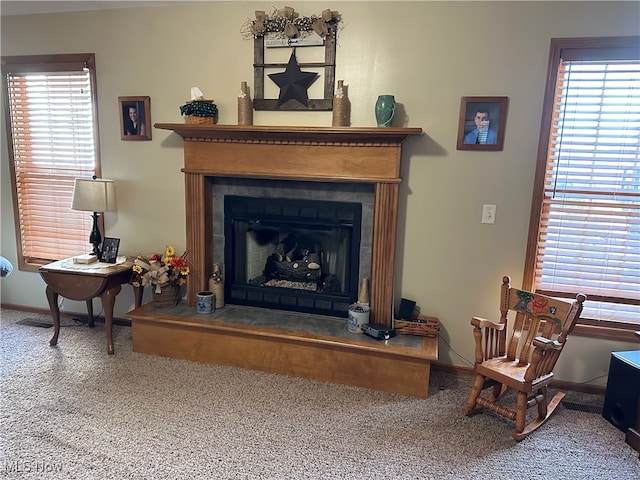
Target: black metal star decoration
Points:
(293, 82)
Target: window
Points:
(585, 223)
(50, 104)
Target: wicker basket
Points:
(193, 120)
(422, 325)
(168, 296)
(202, 106)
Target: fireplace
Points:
(302, 165)
(291, 251)
(315, 155)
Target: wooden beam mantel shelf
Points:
(343, 154)
(297, 153)
(287, 134)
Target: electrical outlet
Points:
(488, 214)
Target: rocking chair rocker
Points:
(526, 363)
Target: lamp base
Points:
(95, 238)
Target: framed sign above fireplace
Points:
(285, 29)
(261, 68)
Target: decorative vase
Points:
(363, 297)
(341, 106)
(245, 106)
(385, 109)
(218, 291)
(216, 285)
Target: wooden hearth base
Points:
(352, 360)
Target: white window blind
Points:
(51, 116)
(589, 235)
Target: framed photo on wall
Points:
(482, 123)
(135, 118)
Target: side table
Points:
(85, 282)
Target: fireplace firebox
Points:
(297, 255)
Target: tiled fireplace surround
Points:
(354, 159)
(295, 191)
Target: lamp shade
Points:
(91, 195)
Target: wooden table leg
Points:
(108, 301)
(52, 298)
(137, 294)
(90, 312)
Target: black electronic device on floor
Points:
(622, 399)
(378, 331)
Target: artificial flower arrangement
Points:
(160, 270)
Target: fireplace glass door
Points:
(298, 255)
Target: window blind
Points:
(52, 139)
(589, 234)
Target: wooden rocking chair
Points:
(525, 363)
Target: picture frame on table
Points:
(110, 248)
(481, 123)
(135, 118)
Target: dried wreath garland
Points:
(287, 23)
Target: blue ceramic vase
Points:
(385, 109)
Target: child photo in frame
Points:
(482, 123)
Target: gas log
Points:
(296, 259)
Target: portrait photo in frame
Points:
(135, 118)
(110, 250)
(482, 123)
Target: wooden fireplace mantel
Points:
(292, 133)
(327, 154)
(297, 153)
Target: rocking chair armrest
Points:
(545, 344)
(486, 331)
(484, 323)
(538, 367)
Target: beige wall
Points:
(427, 54)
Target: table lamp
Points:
(95, 195)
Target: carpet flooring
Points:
(74, 412)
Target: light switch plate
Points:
(488, 214)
